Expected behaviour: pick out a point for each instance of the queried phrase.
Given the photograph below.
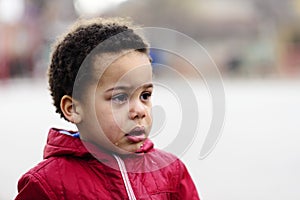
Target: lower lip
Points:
(136, 138)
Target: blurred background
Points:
(246, 38)
(254, 43)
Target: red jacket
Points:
(70, 171)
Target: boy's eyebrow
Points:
(147, 85)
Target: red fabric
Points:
(70, 171)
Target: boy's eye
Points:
(145, 96)
(120, 98)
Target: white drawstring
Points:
(125, 178)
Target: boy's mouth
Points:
(137, 134)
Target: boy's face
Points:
(116, 112)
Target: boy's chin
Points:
(130, 149)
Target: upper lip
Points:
(139, 130)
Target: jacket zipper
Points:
(126, 181)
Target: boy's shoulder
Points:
(51, 175)
(36, 181)
(54, 166)
(44, 170)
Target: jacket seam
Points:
(180, 174)
(44, 185)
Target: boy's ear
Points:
(71, 109)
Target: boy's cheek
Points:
(149, 122)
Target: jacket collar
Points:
(59, 144)
(149, 159)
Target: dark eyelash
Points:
(146, 93)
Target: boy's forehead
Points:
(104, 60)
(123, 66)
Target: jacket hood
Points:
(59, 144)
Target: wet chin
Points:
(130, 149)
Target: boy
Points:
(100, 79)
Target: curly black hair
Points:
(72, 49)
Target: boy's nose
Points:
(137, 110)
